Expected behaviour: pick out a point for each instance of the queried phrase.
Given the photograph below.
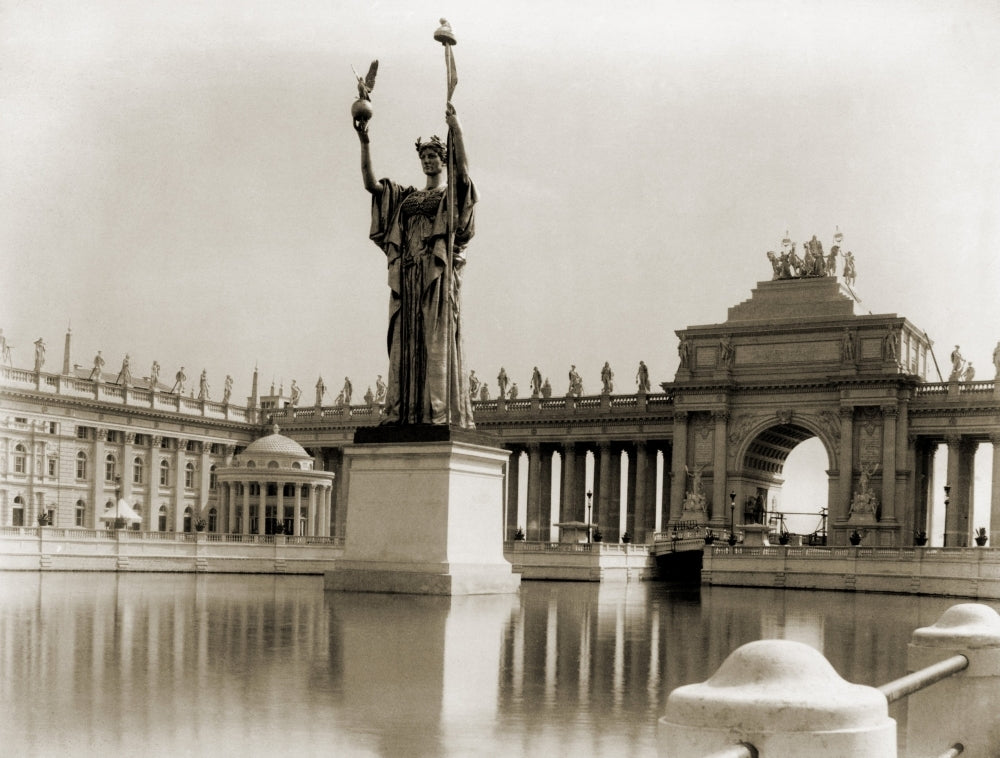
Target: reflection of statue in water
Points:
(426, 382)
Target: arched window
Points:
(164, 473)
(213, 519)
(138, 471)
(189, 476)
(109, 467)
(187, 519)
(161, 523)
(272, 464)
(251, 464)
(81, 465)
(20, 459)
(17, 512)
(81, 510)
(213, 481)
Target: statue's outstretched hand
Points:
(451, 117)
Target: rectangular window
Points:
(79, 515)
(81, 432)
(53, 427)
(19, 463)
(52, 467)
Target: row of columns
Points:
(315, 511)
(604, 503)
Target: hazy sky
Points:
(180, 181)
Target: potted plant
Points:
(920, 538)
(626, 538)
(519, 535)
(709, 537)
(784, 538)
(732, 538)
(981, 536)
(598, 535)
(200, 524)
(855, 537)
(43, 519)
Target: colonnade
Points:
(547, 502)
(306, 509)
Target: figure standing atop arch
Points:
(320, 391)
(850, 273)
(684, 352)
(546, 388)
(536, 382)
(348, 390)
(379, 390)
(607, 379)
(512, 394)
(969, 374)
(227, 390)
(424, 233)
(996, 359)
(369, 397)
(575, 383)
(642, 377)
(502, 382)
(296, 393)
(95, 373)
(154, 375)
(484, 391)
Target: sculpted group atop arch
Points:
(789, 265)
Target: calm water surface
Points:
(215, 665)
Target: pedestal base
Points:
(424, 518)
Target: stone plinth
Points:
(755, 535)
(424, 518)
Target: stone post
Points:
(952, 524)
(719, 499)
(890, 416)
(512, 478)
(995, 491)
(677, 464)
(783, 698)
(961, 708)
(843, 506)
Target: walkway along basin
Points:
(958, 572)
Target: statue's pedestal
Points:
(424, 518)
(755, 535)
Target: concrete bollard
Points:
(963, 707)
(785, 699)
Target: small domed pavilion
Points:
(274, 478)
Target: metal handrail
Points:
(925, 677)
(957, 749)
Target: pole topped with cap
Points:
(444, 34)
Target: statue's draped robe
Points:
(410, 226)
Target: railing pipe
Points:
(742, 750)
(957, 749)
(918, 680)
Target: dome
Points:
(275, 445)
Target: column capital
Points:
(890, 411)
(846, 412)
(953, 439)
(721, 415)
(680, 417)
(101, 434)
(156, 441)
(129, 438)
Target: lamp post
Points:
(947, 497)
(732, 517)
(590, 494)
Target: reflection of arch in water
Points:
(760, 458)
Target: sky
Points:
(180, 181)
